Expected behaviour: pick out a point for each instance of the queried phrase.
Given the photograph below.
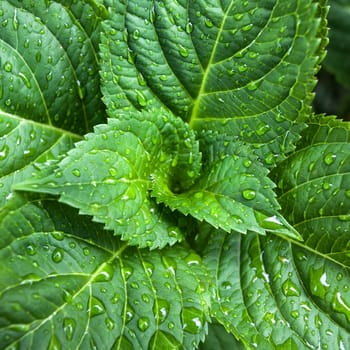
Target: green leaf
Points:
(218, 65)
(219, 339)
(108, 175)
(66, 283)
(314, 187)
(233, 191)
(337, 59)
(24, 146)
(273, 294)
(49, 64)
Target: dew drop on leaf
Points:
(289, 288)
(69, 326)
(143, 323)
(238, 16)
(4, 151)
(249, 194)
(58, 235)
(105, 274)
(318, 282)
(8, 67)
(141, 99)
(191, 323)
(247, 28)
(86, 251)
(189, 28)
(208, 23)
(329, 158)
(183, 51)
(57, 255)
(161, 309)
(96, 307)
(262, 129)
(110, 324)
(76, 172)
(340, 305)
(30, 249)
(127, 271)
(136, 34)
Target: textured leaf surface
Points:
(233, 192)
(219, 339)
(273, 294)
(108, 175)
(318, 175)
(24, 145)
(338, 52)
(66, 283)
(199, 58)
(49, 64)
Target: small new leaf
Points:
(232, 193)
(108, 175)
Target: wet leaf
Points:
(66, 282)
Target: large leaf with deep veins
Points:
(49, 62)
(286, 294)
(66, 283)
(243, 68)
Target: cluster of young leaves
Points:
(164, 182)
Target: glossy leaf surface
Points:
(49, 62)
(66, 283)
(222, 63)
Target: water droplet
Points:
(129, 313)
(110, 324)
(289, 288)
(191, 322)
(247, 163)
(163, 77)
(57, 255)
(242, 68)
(76, 172)
(122, 342)
(249, 194)
(143, 323)
(69, 327)
(86, 251)
(8, 67)
(208, 23)
(184, 52)
(330, 158)
(96, 307)
(189, 28)
(238, 16)
(136, 34)
(49, 76)
(318, 282)
(340, 305)
(127, 271)
(161, 309)
(247, 28)
(193, 259)
(4, 151)
(295, 313)
(141, 99)
(25, 80)
(30, 249)
(174, 232)
(105, 274)
(58, 235)
(262, 129)
(54, 344)
(38, 56)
